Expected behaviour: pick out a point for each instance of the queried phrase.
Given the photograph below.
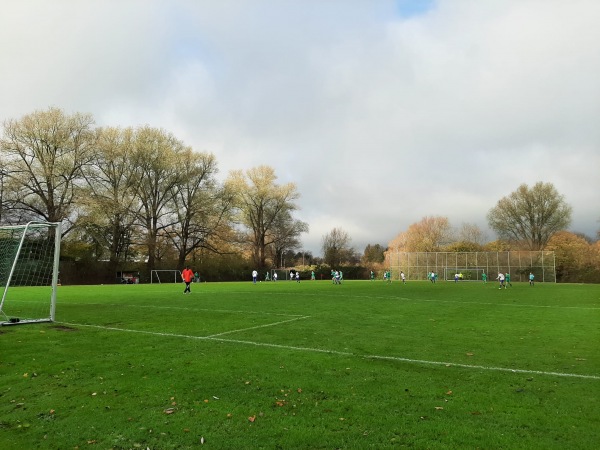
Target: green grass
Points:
(308, 365)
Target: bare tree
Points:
(531, 215)
(44, 154)
(109, 204)
(262, 204)
(203, 208)
(336, 247)
(285, 235)
(471, 233)
(156, 160)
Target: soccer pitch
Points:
(306, 365)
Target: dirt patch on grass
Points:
(64, 328)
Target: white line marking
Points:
(256, 327)
(417, 300)
(228, 311)
(340, 353)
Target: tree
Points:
(263, 205)
(373, 254)
(285, 235)
(531, 215)
(428, 235)
(471, 233)
(44, 155)
(576, 259)
(203, 208)
(108, 202)
(336, 247)
(157, 163)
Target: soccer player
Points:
(484, 277)
(372, 275)
(187, 276)
(507, 278)
(403, 277)
(531, 277)
(312, 275)
(500, 279)
(254, 276)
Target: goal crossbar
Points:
(165, 276)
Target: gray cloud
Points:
(380, 114)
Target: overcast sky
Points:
(382, 112)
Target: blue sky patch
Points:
(410, 8)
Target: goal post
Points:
(282, 274)
(160, 276)
(29, 265)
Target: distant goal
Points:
(29, 262)
(165, 276)
(466, 274)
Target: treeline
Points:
(139, 196)
(577, 255)
(138, 199)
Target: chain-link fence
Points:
(472, 265)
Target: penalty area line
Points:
(257, 327)
(341, 353)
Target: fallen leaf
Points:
(202, 440)
(169, 410)
(449, 393)
(251, 418)
(439, 407)
(299, 391)
(470, 354)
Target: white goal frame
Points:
(28, 269)
(168, 276)
(282, 274)
(467, 273)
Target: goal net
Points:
(282, 274)
(165, 276)
(29, 259)
(466, 274)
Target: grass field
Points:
(306, 365)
